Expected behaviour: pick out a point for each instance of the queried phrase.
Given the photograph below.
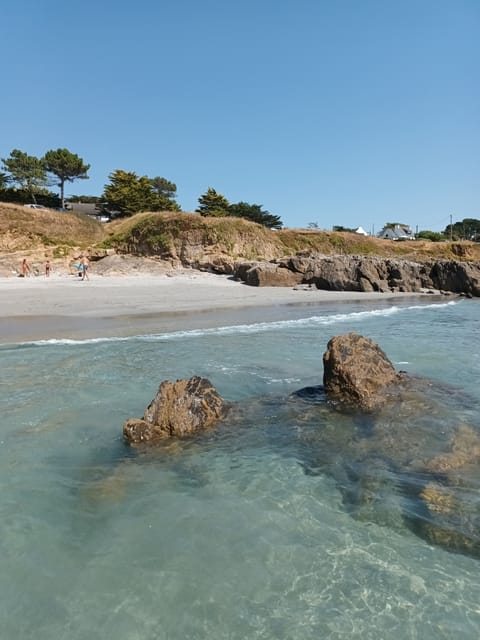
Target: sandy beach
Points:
(64, 306)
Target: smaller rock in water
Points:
(180, 408)
(357, 373)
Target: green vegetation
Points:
(61, 251)
(66, 167)
(28, 175)
(338, 227)
(165, 189)
(390, 225)
(21, 196)
(466, 229)
(186, 237)
(85, 199)
(254, 213)
(127, 194)
(433, 236)
(25, 180)
(28, 172)
(214, 204)
(3, 180)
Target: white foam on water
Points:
(259, 327)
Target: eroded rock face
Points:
(180, 408)
(461, 277)
(363, 273)
(268, 274)
(357, 373)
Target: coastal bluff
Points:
(362, 273)
(167, 241)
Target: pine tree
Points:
(213, 204)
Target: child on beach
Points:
(47, 269)
(85, 264)
(25, 268)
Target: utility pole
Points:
(451, 228)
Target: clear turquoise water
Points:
(225, 535)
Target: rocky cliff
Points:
(362, 273)
(219, 244)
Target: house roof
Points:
(396, 231)
(90, 208)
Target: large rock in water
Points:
(180, 408)
(357, 373)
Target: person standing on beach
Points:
(47, 269)
(85, 264)
(25, 268)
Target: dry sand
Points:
(64, 306)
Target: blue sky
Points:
(339, 112)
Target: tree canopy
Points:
(433, 236)
(166, 192)
(215, 204)
(26, 178)
(28, 172)
(127, 193)
(164, 187)
(212, 203)
(66, 167)
(255, 213)
(466, 229)
(339, 227)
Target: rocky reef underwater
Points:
(401, 449)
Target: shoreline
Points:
(65, 307)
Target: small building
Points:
(396, 232)
(88, 208)
(92, 209)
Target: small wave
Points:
(259, 327)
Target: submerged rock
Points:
(398, 446)
(180, 408)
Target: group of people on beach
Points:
(81, 266)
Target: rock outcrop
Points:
(363, 273)
(357, 373)
(180, 408)
(408, 429)
(267, 274)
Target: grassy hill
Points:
(25, 229)
(180, 235)
(189, 238)
(40, 234)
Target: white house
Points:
(396, 232)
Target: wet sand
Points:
(66, 307)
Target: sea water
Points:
(225, 535)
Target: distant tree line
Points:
(31, 175)
(26, 179)
(466, 229)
